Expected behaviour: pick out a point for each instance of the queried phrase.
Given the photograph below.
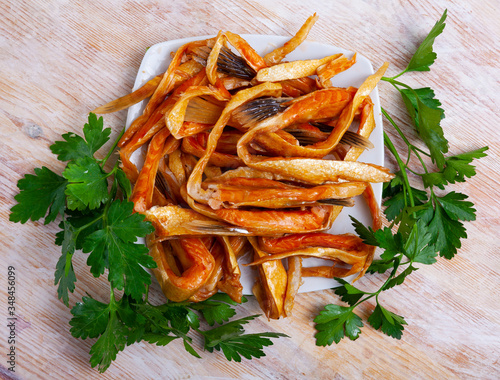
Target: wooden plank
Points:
(62, 59)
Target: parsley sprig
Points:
(97, 219)
(424, 222)
(125, 322)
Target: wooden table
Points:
(60, 59)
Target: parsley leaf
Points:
(425, 224)
(75, 147)
(90, 318)
(65, 277)
(124, 183)
(41, 195)
(391, 324)
(399, 279)
(164, 320)
(334, 322)
(392, 244)
(115, 324)
(427, 116)
(455, 169)
(380, 266)
(109, 343)
(82, 224)
(347, 292)
(456, 207)
(418, 247)
(383, 238)
(217, 309)
(397, 197)
(424, 57)
(446, 232)
(115, 243)
(159, 339)
(88, 185)
(246, 345)
(365, 233)
(230, 338)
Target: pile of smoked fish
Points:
(235, 165)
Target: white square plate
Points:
(156, 61)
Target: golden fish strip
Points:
(294, 281)
(174, 221)
(193, 146)
(201, 263)
(169, 182)
(366, 127)
(277, 55)
(194, 183)
(369, 197)
(278, 144)
(332, 68)
(142, 194)
(357, 259)
(156, 121)
(325, 271)
(315, 171)
(270, 287)
(210, 288)
(252, 58)
(211, 67)
(240, 192)
(298, 87)
(346, 242)
(152, 126)
(247, 172)
(164, 87)
(276, 222)
(202, 110)
(176, 165)
(230, 282)
(183, 72)
(175, 118)
(310, 107)
(275, 144)
(145, 91)
(321, 104)
(293, 69)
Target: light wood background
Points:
(60, 59)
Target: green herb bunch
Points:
(97, 219)
(424, 223)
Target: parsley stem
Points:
(396, 83)
(370, 295)
(422, 161)
(400, 132)
(388, 143)
(112, 296)
(417, 149)
(411, 147)
(389, 79)
(114, 185)
(79, 229)
(69, 263)
(113, 147)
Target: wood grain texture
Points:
(61, 59)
